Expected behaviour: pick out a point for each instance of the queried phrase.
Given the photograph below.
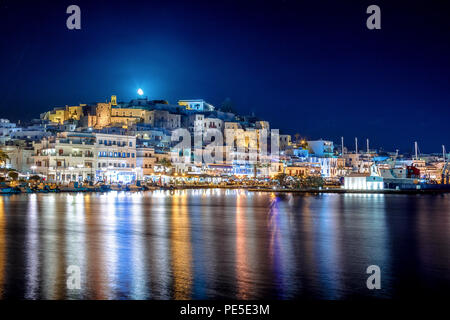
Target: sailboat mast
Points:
(415, 147)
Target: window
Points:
(130, 144)
(128, 155)
(132, 155)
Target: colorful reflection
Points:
(53, 273)
(158, 215)
(181, 247)
(3, 246)
(137, 245)
(32, 249)
(75, 238)
(207, 244)
(281, 247)
(242, 260)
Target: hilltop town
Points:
(133, 142)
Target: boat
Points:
(105, 188)
(116, 187)
(25, 188)
(9, 190)
(75, 186)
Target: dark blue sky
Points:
(309, 67)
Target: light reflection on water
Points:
(204, 244)
(2, 247)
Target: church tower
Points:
(113, 100)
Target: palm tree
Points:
(3, 157)
(281, 178)
(258, 165)
(297, 138)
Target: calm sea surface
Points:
(206, 244)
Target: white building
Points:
(364, 181)
(74, 156)
(116, 158)
(7, 129)
(196, 105)
(32, 135)
(321, 148)
(66, 157)
(20, 158)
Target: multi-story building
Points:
(62, 114)
(75, 156)
(285, 141)
(163, 119)
(128, 116)
(30, 134)
(148, 161)
(20, 156)
(321, 148)
(116, 157)
(196, 105)
(304, 169)
(231, 125)
(66, 157)
(7, 130)
(145, 160)
(152, 137)
(199, 123)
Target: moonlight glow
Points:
(140, 92)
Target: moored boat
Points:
(9, 190)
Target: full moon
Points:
(140, 92)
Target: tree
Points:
(259, 165)
(3, 157)
(297, 138)
(281, 178)
(165, 163)
(310, 182)
(13, 175)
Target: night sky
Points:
(310, 67)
